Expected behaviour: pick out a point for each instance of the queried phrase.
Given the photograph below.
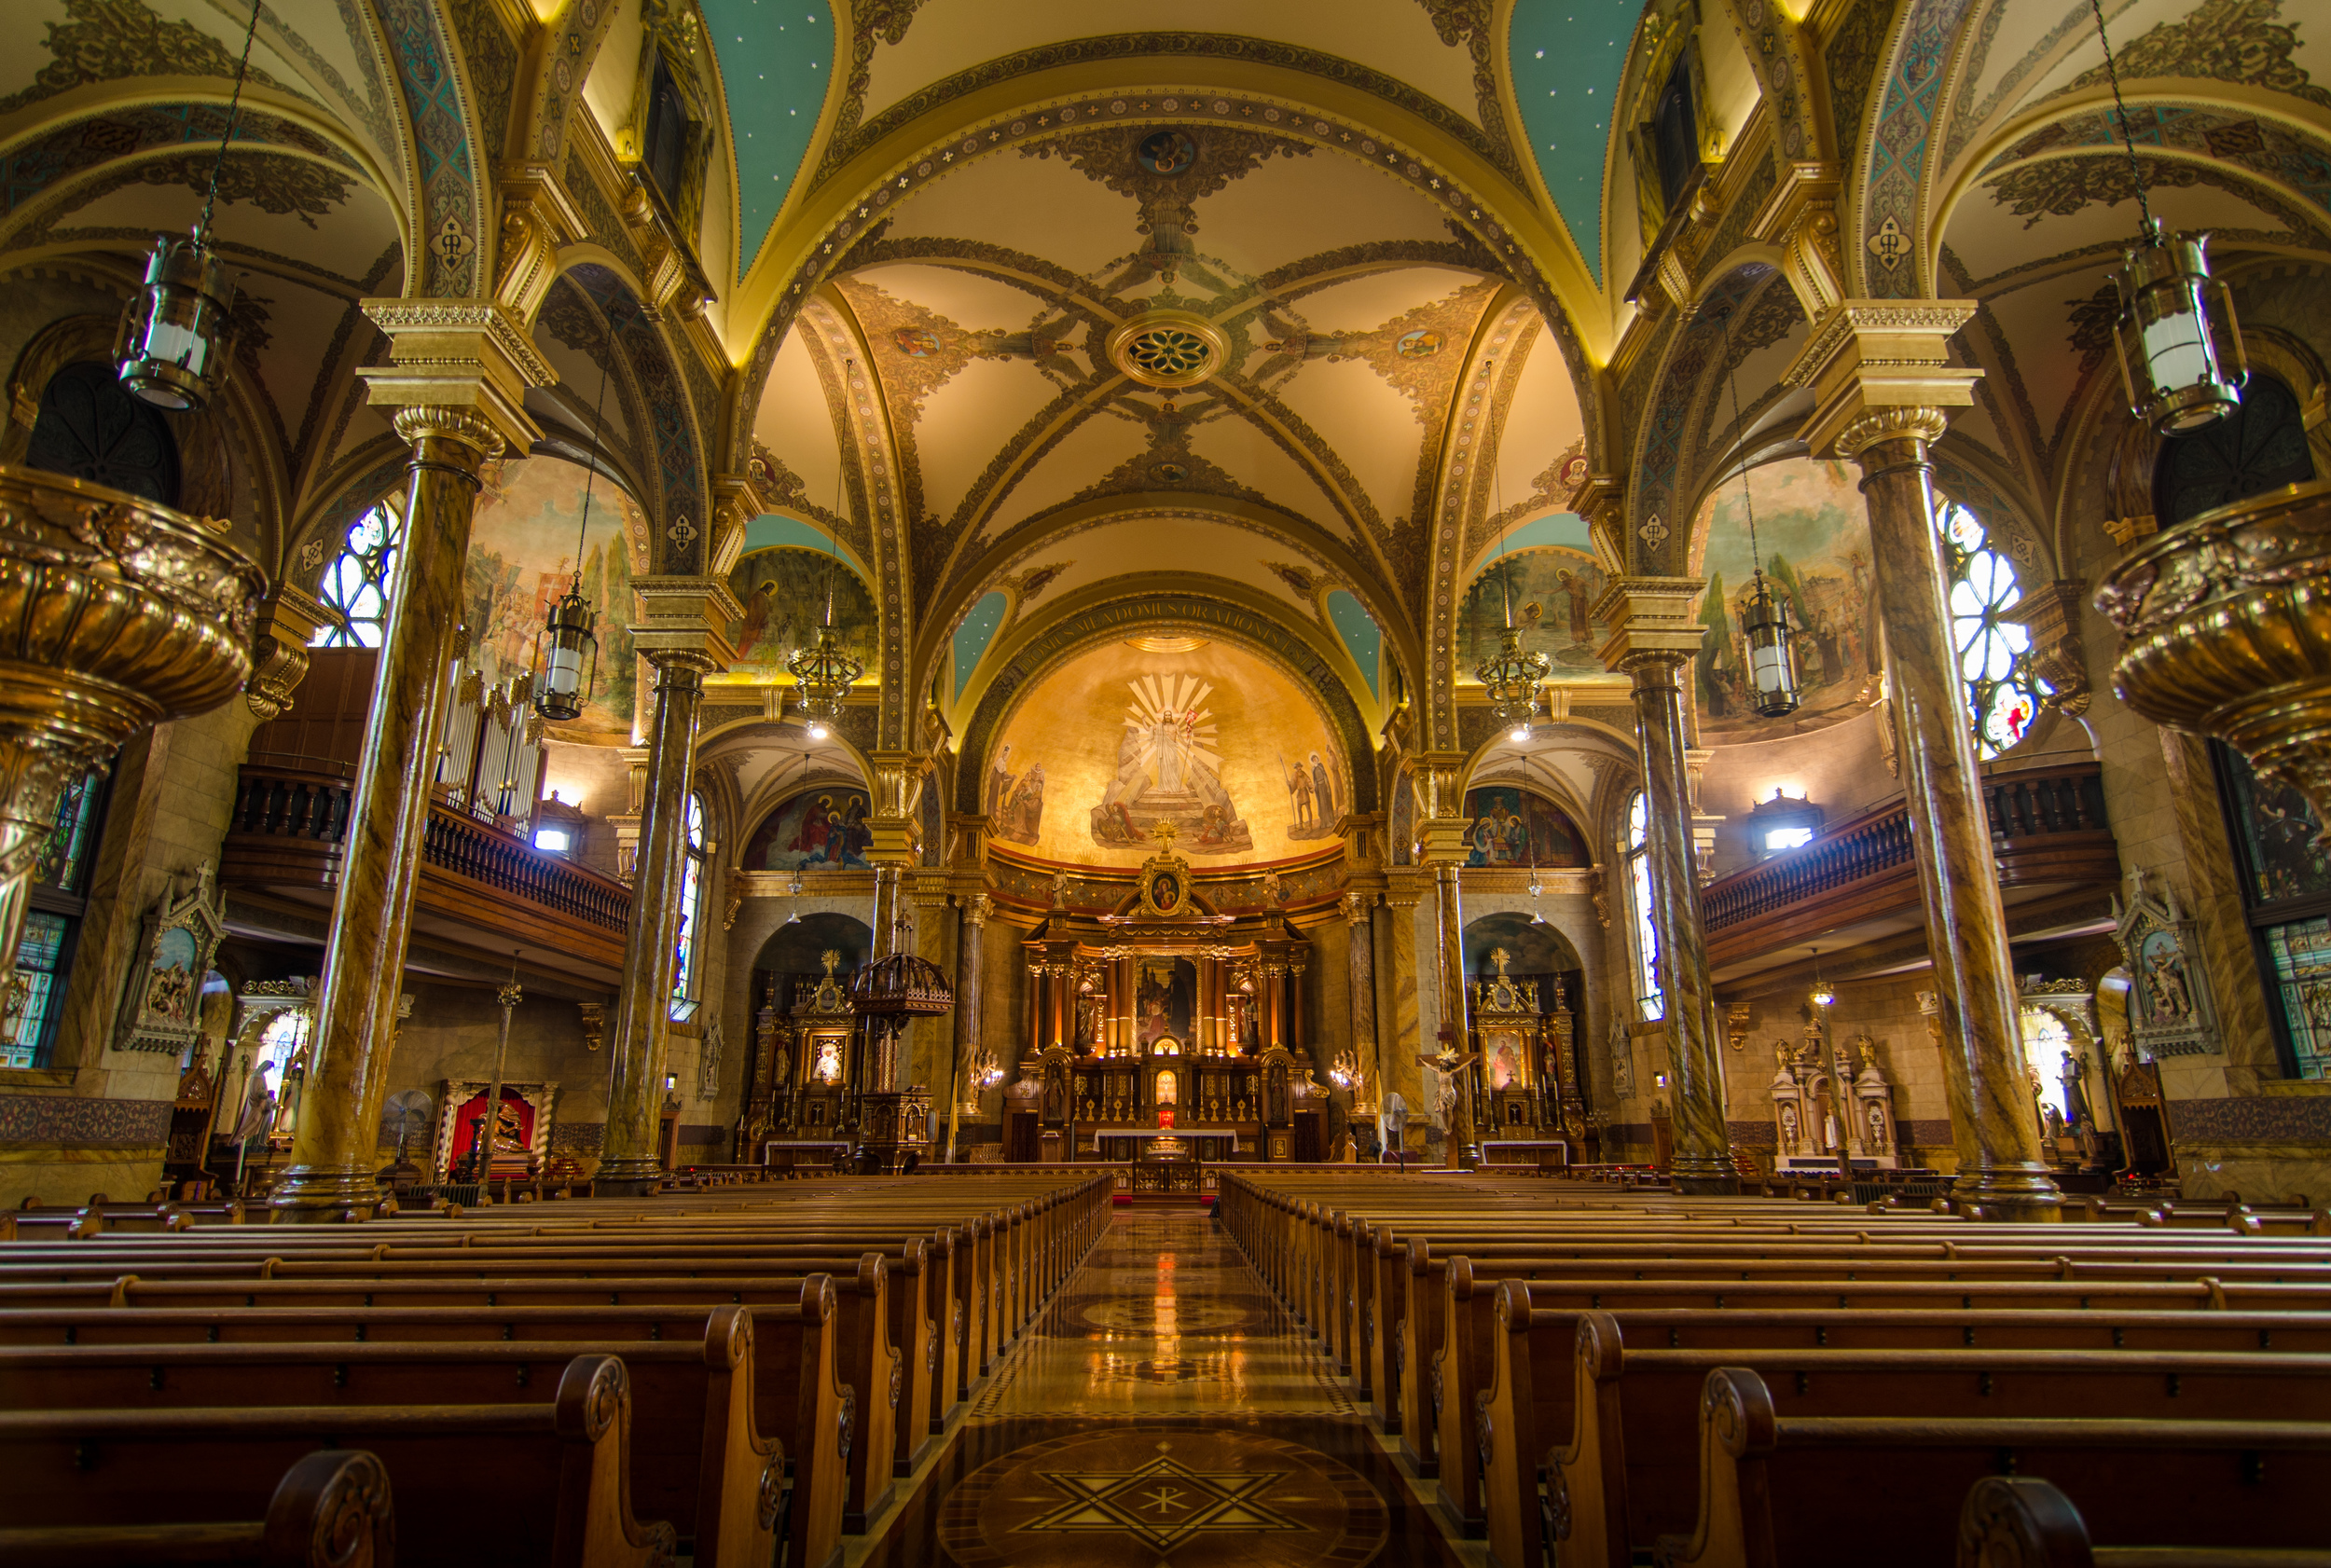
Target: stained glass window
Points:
(34, 994)
(1994, 653)
(2044, 1041)
(63, 861)
(683, 973)
(1647, 941)
(2299, 954)
(355, 587)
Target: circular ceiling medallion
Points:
(1167, 348)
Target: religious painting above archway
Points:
(783, 592)
(1513, 827)
(522, 555)
(1219, 743)
(1815, 535)
(1554, 591)
(821, 829)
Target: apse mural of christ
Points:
(1169, 770)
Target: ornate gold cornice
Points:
(1869, 355)
(1653, 621)
(460, 353)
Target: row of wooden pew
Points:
(736, 1376)
(1598, 1378)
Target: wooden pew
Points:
(331, 1509)
(518, 1484)
(1624, 1476)
(2028, 1520)
(1826, 1491)
(696, 1457)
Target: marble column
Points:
(630, 1162)
(1367, 1054)
(971, 967)
(1655, 635)
(1979, 1010)
(1398, 1013)
(334, 1150)
(1438, 780)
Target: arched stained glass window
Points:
(1994, 653)
(356, 588)
(1647, 941)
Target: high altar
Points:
(1166, 1019)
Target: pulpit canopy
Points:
(900, 986)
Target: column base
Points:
(626, 1178)
(324, 1195)
(2021, 1193)
(1704, 1179)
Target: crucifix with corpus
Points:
(1456, 1094)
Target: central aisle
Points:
(1164, 1412)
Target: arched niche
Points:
(800, 947)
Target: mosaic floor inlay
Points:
(1164, 1412)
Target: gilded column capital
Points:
(1437, 779)
(1800, 217)
(1601, 499)
(898, 797)
(453, 424)
(1654, 623)
(738, 498)
(1912, 421)
(686, 620)
(1358, 907)
(976, 909)
(1866, 355)
(539, 219)
(473, 354)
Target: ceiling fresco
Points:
(1217, 742)
(1347, 309)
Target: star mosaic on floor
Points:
(1163, 1413)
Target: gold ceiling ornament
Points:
(118, 614)
(2226, 630)
(1168, 349)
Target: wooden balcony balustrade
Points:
(497, 888)
(2047, 831)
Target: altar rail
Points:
(288, 826)
(2047, 827)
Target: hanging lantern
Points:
(1771, 652)
(2181, 353)
(172, 347)
(824, 675)
(1511, 680)
(566, 659)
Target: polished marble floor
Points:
(1164, 1412)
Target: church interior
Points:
(1392, 780)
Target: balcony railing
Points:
(287, 830)
(2047, 826)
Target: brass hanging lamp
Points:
(823, 672)
(1512, 678)
(1764, 618)
(2181, 349)
(566, 650)
(175, 343)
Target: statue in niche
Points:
(1789, 1126)
(1877, 1128)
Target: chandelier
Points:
(2181, 353)
(172, 347)
(1512, 678)
(823, 672)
